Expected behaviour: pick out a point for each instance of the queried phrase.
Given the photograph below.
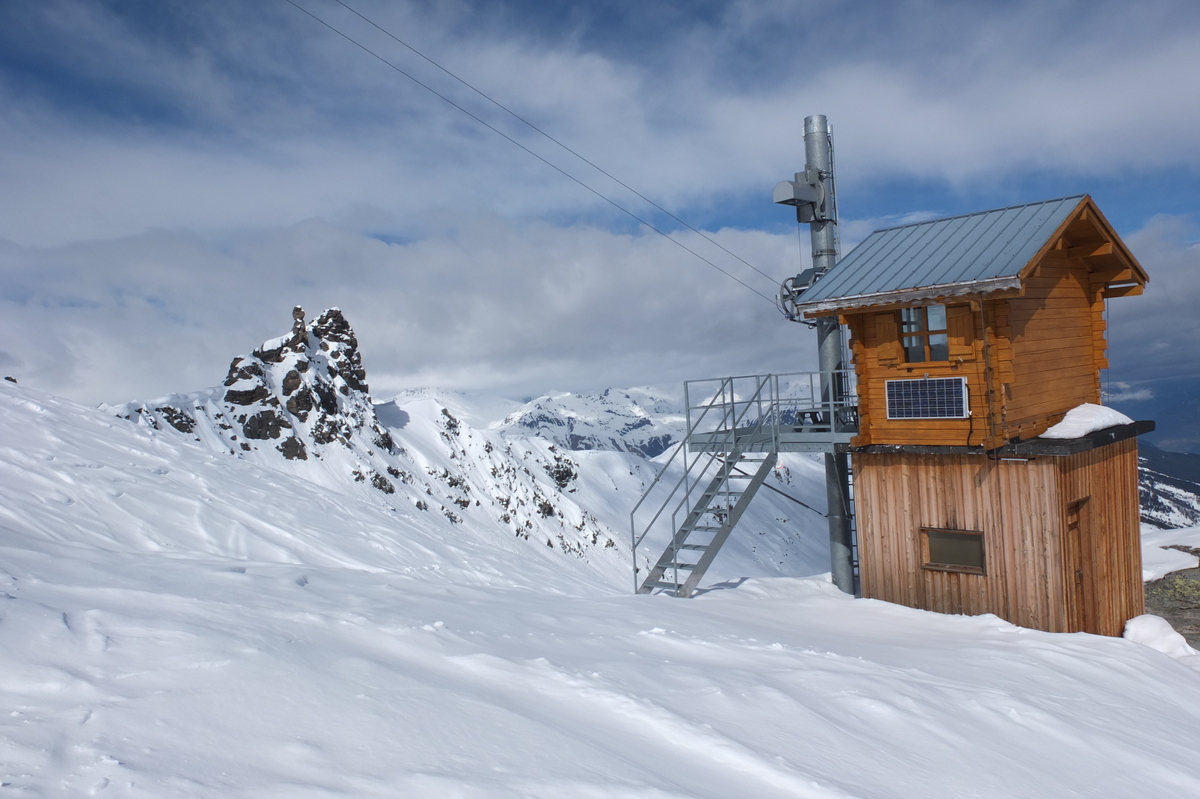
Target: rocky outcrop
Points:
(300, 403)
(299, 393)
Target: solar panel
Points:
(929, 398)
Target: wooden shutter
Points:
(887, 338)
(960, 328)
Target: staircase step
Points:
(697, 547)
(661, 584)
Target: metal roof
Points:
(979, 252)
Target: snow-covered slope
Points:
(180, 622)
(188, 618)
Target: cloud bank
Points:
(178, 175)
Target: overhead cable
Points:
(525, 121)
(553, 166)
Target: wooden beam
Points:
(1123, 274)
(1123, 291)
(1090, 250)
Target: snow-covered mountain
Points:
(639, 420)
(300, 404)
(1169, 487)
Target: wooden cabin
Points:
(970, 337)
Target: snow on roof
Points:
(1084, 419)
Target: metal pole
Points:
(826, 249)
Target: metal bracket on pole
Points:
(812, 193)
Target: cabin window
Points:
(924, 334)
(953, 550)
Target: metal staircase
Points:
(709, 523)
(734, 435)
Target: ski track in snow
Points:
(181, 623)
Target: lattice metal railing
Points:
(728, 419)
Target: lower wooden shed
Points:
(1045, 535)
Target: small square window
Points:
(923, 332)
(953, 550)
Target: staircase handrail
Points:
(726, 425)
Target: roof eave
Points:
(979, 287)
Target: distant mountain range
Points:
(1169, 485)
(647, 422)
(639, 420)
(562, 470)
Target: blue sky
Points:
(179, 174)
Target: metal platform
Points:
(732, 422)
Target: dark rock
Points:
(271, 356)
(382, 483)
(10, 378)
(327, 398)
(325, 431)
(300, 403)
(561, 471)
(248, 397)
(246, 372)
(264, 425)
(291, 382)
(177, 419)
(332, 326)
(293, 449)
(356, 378)
(299, 340)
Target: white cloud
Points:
(267, 118)
(174, 184)
(1157, 334)
(482, 303)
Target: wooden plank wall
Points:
(1107, 477)
(1020, 507)
(1040, 358)
(1014, 504)
(1052, 334)
(877, 360)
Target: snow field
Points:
(131, 674)
(177, 622)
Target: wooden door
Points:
(1082, 600)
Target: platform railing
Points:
(809, 403)
(720, 415)
(730, 415)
